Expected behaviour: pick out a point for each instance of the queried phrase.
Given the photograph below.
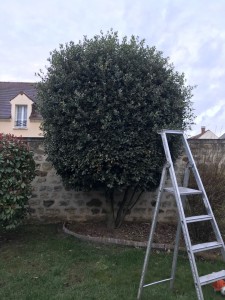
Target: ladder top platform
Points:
(170, 131)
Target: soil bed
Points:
(165, 233)
(138, 232)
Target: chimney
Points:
(203, 129)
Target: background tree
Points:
(102, 102)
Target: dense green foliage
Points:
(102, 101)
(17, 169)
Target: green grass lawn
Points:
(40, 262)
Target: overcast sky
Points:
(191, 33)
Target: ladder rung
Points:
(198, 218)
(206, 246)
(183, 191)
(156, 282)
(212, 277)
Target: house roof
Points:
(196, 136)
(9, 90)
(222, 136)
(205, 134)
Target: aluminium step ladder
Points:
(180, 194)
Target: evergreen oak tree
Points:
(103, 101)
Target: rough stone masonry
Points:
(52, 202)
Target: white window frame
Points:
(21, 121)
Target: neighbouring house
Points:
(222, 136)
(205, 134)
(18, 109)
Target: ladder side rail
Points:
(182, 218)
(151, 234)
(204, 197)
(178, 233)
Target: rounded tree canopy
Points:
(103, 101)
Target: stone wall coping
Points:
(192, 141)
(33, 139)
(208, 141)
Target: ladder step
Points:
(206, 279)
(205, 246)
(183, 191)
(198, 218)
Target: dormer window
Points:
(21, 116)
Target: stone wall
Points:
(208, 150)
(52, 202)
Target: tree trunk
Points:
(110, 219)
(122, 210)
(126, 205)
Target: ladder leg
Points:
(150, 240)
(175, 254)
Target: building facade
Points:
(18, 109)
